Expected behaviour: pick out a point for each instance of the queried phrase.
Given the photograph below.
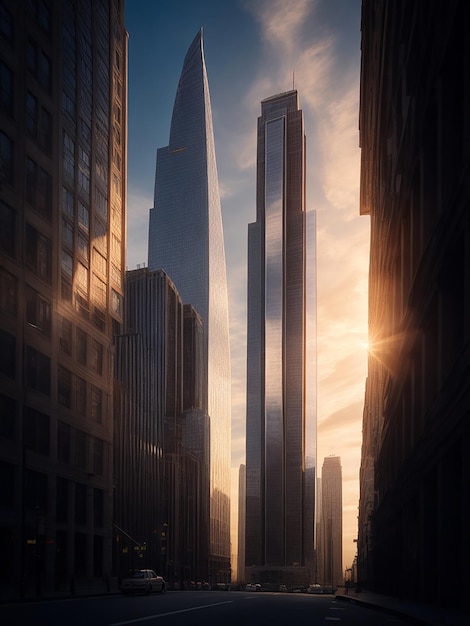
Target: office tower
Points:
(186, 241)
(160, 453)
(414, 510)
(63, 163)
(279, 532)
(241, 523)
(330, 540)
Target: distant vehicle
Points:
(253, 587)
(283, 588)
(142, 581)
(316, 588)
(328, 589)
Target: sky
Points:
(255, 49)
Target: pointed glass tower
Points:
(186, 240)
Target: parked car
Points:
(316, 588)
(283, 588)
(142, 581)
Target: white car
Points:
(316, 588)
(142, 581)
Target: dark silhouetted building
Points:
(279, 437)
(63, 129)
(414, 509)
(161, 466)
(330, 539)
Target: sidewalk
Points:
(413, 612)
(73, 589)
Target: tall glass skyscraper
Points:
(186, 241)
(279, 485)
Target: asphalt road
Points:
(191, 608)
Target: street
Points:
(211, 608)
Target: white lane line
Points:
(193, 608)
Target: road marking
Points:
(193, 608)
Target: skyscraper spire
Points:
(186, 240)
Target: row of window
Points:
(72, 391)
(73, 500)
(74, 446)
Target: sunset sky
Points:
(255, 49)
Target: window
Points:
(38, 253)
(83, 246)
(81, 279)
(7, 417)
(6, 158)
(7, 354)
(98, 501)
(100, 170)
(6, 23)
(65, 335)
(64, 386)
(99, 291)
(7, 292)
(96, 354)
(67, 233)
(45, 71)
(85, 131)
(38, 371)
(81, 346)
(6, 88)
(36, 431)
(80, 503)
(68, 105)
(96, 403)
(63, 442)
(99, 263)
(68, 159)
(67, 203)
(117, 185)
(31, 181)
(38, 311)
(38, 188)
(81, 443)
(98, 450)
(66, 287)
(44, 204)
(31, 115)
(41, 14)
(7, 480)
(83, 216)
(7, 229)
(45, 131)
(35, 494)
(116, 303)
(67, 263)
(83, 170)
(80, 395)
(116, 276)
(62, 499)
(101, 205)
(32, 57)
(100, 233)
